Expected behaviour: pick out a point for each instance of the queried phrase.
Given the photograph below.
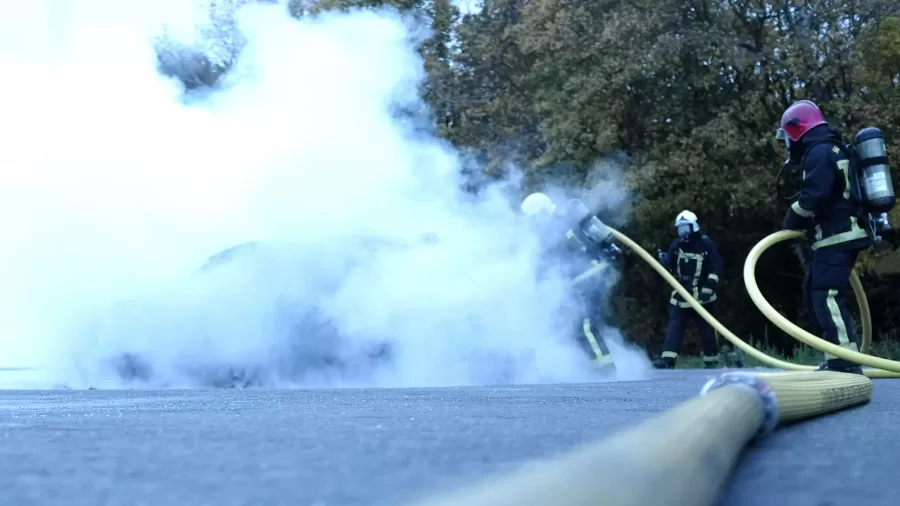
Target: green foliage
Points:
(691, 91)
(802, 355)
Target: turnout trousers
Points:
(678, 318)
(825, 288)
(590, 335)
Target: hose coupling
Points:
(757, 385)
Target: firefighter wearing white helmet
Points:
(693, 258)
(536, 204)
(583, 246)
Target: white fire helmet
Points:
(537, 204)
(686, 222)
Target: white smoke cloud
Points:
(115, 189)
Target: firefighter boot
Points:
(711, 361)
(664, 363)
(840, 365)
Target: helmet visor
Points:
(684, 230)
(781, 135)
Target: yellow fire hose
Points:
(684, 456)
(883, 368)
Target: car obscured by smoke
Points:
(312, 350)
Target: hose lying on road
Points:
(679, 458)
(647, 465)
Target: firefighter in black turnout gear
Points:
(832, 209)
(582, 245)
(695, 261)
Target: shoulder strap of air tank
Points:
(843, 147)
(855, 192)
(850, 153)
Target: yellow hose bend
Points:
(865, 315)
(858, 292)
(722, 329)
(884, 368)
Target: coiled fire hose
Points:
(646, 465)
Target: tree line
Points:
(681, 98)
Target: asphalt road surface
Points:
(379, 447)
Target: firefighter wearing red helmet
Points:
(828, 209)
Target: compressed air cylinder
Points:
(597, 230)
(875, 176)
(589, 226)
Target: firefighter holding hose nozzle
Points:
(842, 205)
(583, 246)
(693, 258)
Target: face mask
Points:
(781, 135)
(793, 149)
(684, 231)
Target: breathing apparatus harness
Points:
(584, 231)
(870, 174)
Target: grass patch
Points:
(803, 355)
